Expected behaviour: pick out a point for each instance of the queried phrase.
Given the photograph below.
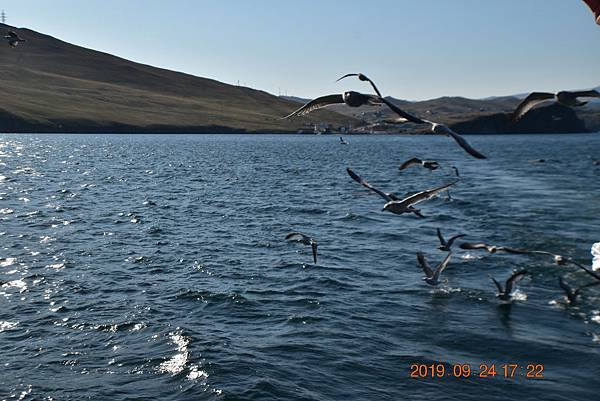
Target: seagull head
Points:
(560, 260)
(439, 129)
(349, 95)
(386, 206)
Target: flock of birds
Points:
(397, 205)
(356, 99)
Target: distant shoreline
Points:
(287, 133)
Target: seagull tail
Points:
(417, 212)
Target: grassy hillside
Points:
(52, 86)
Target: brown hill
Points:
(52, 86)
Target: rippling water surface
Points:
(155, 267)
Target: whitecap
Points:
(174, 365)
(138, 327)
(518, 295)
(177, 363)
(7, 262)
(196, 373)
(25, 393)
(20, 284)
(468, 256)
(45, 239)
(56, 266)
(7, 325)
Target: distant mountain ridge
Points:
(487, 115)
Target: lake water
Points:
(155, 267)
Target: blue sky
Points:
(414, 49)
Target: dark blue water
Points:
(155, 267)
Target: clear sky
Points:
(413, 49)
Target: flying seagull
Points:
(436, 128)
(13, 38)
(386, 196)
(573, 294)
(446, 245)
(558, 259)
(364, 78)
(432, 277)
(350, 98)
(306, 240)
(406, 205)
(505, 294)
(481, 245)
(428, 164)
(343, 142)
(564, 97)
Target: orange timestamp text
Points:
(483, 371)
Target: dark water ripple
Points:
(154, 267)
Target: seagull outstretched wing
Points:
(440, 268)
(361, 181)
(424, 264)
(316, 104)
(530, 102)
